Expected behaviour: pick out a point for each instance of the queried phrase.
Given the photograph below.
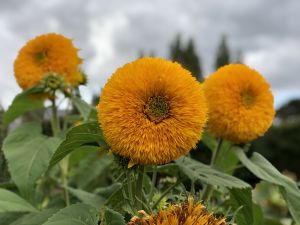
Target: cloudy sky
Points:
(111, 33)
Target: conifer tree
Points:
(223, 54)
(187, 57)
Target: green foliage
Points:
(88, 198)
(9, 217)
(112, 217)
(280, 145)
(84, 134)
(258, 216)
(197, 171)
(11, 202)
(22, 103)
(28, 153)
(36, 218)
(84, 108)
(91, 168)
(263, 169)
(77, 214)
(242, 198)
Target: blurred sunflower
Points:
(188, 213)
(240, 103)
(152, 111)
(48, 53)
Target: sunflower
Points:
(46, 54)
(188, 213)
(240, 103)
(152, 111)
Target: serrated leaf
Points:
(197, 171)
(88, 133)
(77, 214)
(22, 103)
(113, 218)
(242, 197)
(35, 218)
(263, 169)
(88, 198)
(28, 153)
(11, 202)
(83, 107)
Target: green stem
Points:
(208, 189)
(55, 119)
(165, 193)
(154, 176)
(64, 167)
(139, 188)
(55, 123)
(129, 186)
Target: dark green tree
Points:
(192, 61)
(223, 54)
(176, 52)
(187, 57)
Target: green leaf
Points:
(209, 141)
(226, 160)
(108, 191)
(263, 169)
(81, 153)
(92, 167)
(196, 170)
(77, 214)
(292, 199)
(258, 215)
(22, 103)
(10, 202)
(35, 218)
(8, 217)
(242, 197)
(271, 221)
(84, 134)
(113, 218)
(83, 107)
(28, 153)
(88, 198)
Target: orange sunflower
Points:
(240, 102)
(45, 54)
(188, 213)
(152, 111)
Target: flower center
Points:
(248, 98)
(157, 108)
(41, 56)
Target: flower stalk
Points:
(208, 189)
(64, 164)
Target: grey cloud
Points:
(111, 33)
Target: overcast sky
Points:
(111, 33)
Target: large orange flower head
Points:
(188, 213)
(152, 111)
(240, 103)
(48, 53)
